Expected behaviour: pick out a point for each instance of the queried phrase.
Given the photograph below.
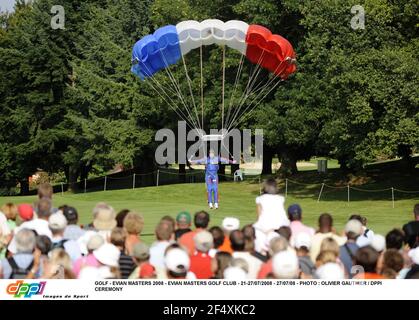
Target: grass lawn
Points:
(237, 199)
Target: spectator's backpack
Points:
(18, 272)
(59, 244)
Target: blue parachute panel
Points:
(156, 52)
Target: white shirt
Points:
(253, 263)
(157, 250)
(4, 227)
(39, 225)
(272, 215)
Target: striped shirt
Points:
(126, 265)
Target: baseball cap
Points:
(108, 255)
(234, 273)
(70, 213)
(354, 226)
(184, 217)
(378, 242)
(89, 273)
(177, 260)
(414, 255)
(231, 224)
(294, 209)
(204, 241)
(25, 211)
(302, 239)
(285, 265)
(141, 251)
(147, 271)
(57, 221)
(330, 270)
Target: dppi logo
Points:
(27, 290)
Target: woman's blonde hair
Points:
(330, 244)
(133, 223)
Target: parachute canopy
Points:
(168, 44)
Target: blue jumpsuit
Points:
(211, 175)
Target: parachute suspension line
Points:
(178, 89)
(223, 89)
(236, 81)
(248, 90)
(179, 113)
(245, 114)
(261, 91)
(190, 92)
(202, 88)
(160, 87)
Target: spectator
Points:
(141, 257)
(330, 271)
(200, 260)
(104, 222)
(285, 232)
(395, 239)
(126, 263)
(73, 231)
(347, 252)
(302, 245)
(379, 243)
(249, 242)
(367, 258)
(234, 273)
(295, 215)
(5, 235)
(229, 224)
(133, 224)
(11, 212)
(367, 235)
(120, 218)
(59, 265)
(20, 264)
(147, 272)
(413, 273)
(392, 263)
(39, 225)
(58, 223)
(411, 229)
(177, 264)
(270, 213)
(25, 212)
(325, 231)
(94, 242)
(276, 244)
(240, 263)
(169, 220)
(183, 224)
(220, 263)
(218, 236)
(108, 257)
(201, 222)
(326, 256)
(238, 243)
(164, 235)
(98, 207)
(45, 191)
(285, 265)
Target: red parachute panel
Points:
(271, 51)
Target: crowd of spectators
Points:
(43, 241)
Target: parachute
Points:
(169, 45)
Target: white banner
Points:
(207, 289)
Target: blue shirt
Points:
(23, 260)
(345, 257)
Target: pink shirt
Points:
(298, 227)
(87, 261)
